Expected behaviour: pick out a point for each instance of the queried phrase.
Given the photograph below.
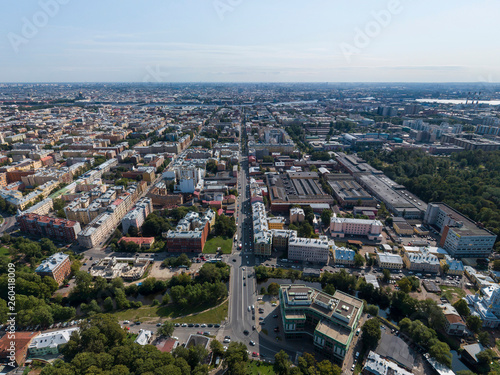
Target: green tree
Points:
(484, 338)
(166, 329)
(372, 310)
(370, 333)
(108, 304)
(273, 289)
(326, 216)
(405, 285)
(282, 363)
(441, 352)
(359, 261)
(462, 307)
(387, 274)
(474, 323)
(236, 358)
(217, 348)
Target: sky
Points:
(249, 41)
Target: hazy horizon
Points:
(242, 41)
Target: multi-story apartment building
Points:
(331, 321)
(136, 217)
(389, 261)
(344, 256)
(296, 215)
(49, 342)
(315, 250)
(57, 266)
(262, 237)
(340, 227)
(460, 236)
(421, 261)
(454, 324)
(281, 238)
(46, 226)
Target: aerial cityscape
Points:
(204, 213)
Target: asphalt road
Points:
(8, 224)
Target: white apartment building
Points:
(314, 250)
(341, 227)
(49, 342)
(136, 217)
(460, 236)
(262, 236)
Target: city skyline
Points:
(243, 41)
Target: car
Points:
(158, 324)
(206, 333)
(262, 355)
(352, 367)
(84, 264)
(210, 325)
(91, 258)
(177, 325)
(252, 343)
(275, 316)
(138, 322)
(357, 355)
(190, 325)
(216, 325)
(199, 333)
(244, 284)
(203, 325)
(226, 341)
(67, 285)
(254, 328)
(255, 354)
(253, 307)
(243, 277)
(261, 318)
(234, 260)
(245, 332)
(197, 325)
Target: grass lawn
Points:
(215, 315)
(260, 368)
(212, 244)
(452, 293)
(153, 313)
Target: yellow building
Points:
(277, 222)
(455, 267)
(402, 228)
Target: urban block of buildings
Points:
(191, 233)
